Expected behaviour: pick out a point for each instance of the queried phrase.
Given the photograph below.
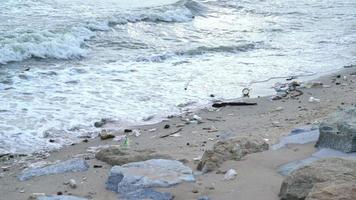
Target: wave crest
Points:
(200, 51)
(45, 44)
(182, 11)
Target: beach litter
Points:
(230, 174)
(246, 92)
(223, 104)
(169, 134)
(314, 100)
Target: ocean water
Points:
(65, 64)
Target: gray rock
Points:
(333, 191)
(115, 155)
(61, 197)
(338, 131)
(322, 153)
(72, 165)
(298, 136)
(148, 174)
(232, 149)
(300, 183)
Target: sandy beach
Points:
(257, 176)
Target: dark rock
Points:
(100, 123)
(300, 183)
(127, 130)
(115, 155)
(338, 131)
(166, 126)
(233, 149)
(73, 165)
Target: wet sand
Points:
(257, 176)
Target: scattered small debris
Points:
(195, 191)
(197, 158)
(152, 130)
(314, 100)
(246, 92)
(280, 108)
(230, 174)
(197, 118)
(118, 138)
(127, 131)
(223, 104)
(177, 131)
(136, 132)
(72, 183)
(35, 196)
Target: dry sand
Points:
(257, 176)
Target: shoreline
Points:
(257, 174)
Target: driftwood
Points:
(169, 134)
(222, 104)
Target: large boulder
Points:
(338, 131)
(333, 191)
(232, 149)
(139, 177)
(72, 165)
(115, 155)
(300, 182)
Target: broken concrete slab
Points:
(135, 180)
(232, 149)
(116, 155)
(72, 165)
(148, 174)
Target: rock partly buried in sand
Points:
(338, 131)
(72, 165)
(300, 183)
(115, 155)
(232, 149)
(104, 135)
(148, 174)
(60, 197)
(333, 191)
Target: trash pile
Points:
(285, 90)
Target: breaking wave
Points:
(45, 44)
(182, 11)
(70, 45)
